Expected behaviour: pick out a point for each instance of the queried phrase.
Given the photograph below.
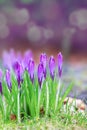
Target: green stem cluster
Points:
(31, 101)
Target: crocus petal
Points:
(27, 55)
(0, 87)
(18, 67)
(60, 62)
(12, 55)
(8, 58)
(52, 66)
(43, 60)
(31, 69)
(8, 79)
(40, 73)
(19, 57)
(18, 71)
(1, 74)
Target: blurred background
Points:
(48, 26)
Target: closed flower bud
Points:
(60, 62)
(52, 67)
(43, 60)
(18, 71)
(1, 81)
(40, 73)
(31, 69)
(8, 79)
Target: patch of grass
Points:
(60, 121)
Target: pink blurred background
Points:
(44, 25)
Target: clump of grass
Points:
(28, 92)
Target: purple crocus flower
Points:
(31, 69)
(1, 74)
(8, 58)
(52, 66)
(8, 79)
(0, 87)
(40, 73)
(60, 62)
(19, 57)
(27, 55)
(18, 71)
(1, 81)
(43, 60)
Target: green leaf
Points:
(64, 96)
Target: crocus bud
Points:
(8, 58)
(52, 67)
(60, 62)
(27, 55)
(0, 87)
(8, 79)
(43, 60)
(19, 57)
(31, 69)
(1, 81)
(0, 74)
(18, 71)
(40, 74)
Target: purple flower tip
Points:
(1, 74)
(60, 62)
(40, 73)
(31, 69)
(18, 71)
(0, 87)
(27, 55)
(43, 60)
(16, 66)
(8, 79)
(52, 67)
(1, 81)
(8, 58)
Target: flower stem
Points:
(25, 108)
(47, 103)
(18, 107)
(4, 105)
(39, 95)
(57, 94)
